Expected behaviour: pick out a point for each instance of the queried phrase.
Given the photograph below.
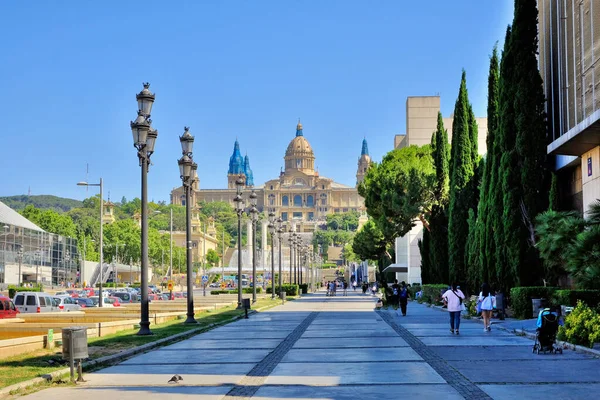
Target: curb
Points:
(113, 358)
(529, 335)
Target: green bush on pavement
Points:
(520, 299)
(412, 291)
(111, 285)
(433, 293)
(571, 297)
(582, 326)
(290, 290)
(12, 289)
(234, 291)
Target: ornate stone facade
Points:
(300, 196)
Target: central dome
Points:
(299, 155)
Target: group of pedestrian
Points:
(331, 288)
(454, 301)
(399, 297)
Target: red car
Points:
(7, 308)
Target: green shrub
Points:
(12, 289)
(433, 293)
(571, 297)
(248, 290)
(412, 291)
(221, 291)
(304, 288)
(111, 285)
(582, 326)
(290, 290)
(520, 299)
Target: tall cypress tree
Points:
(531, 133)
(462, 171)
(487, 208)
(438, 221)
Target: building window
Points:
(297, 201)
(311, 216)
(271, 187)
(323, 187)
(182, 198)
(337, 210)
(284, 216)
(285, 201)
(271, 199)
(345, 210)
(310, 201)
(297, 215)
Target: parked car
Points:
(125, 297)
(214, 285)
(66, 303)
(86, 303)
(167, 296)
(34, 302)
(153, 297)
(72, 292)
(7, 308)
(114, 301)
(154, 289)
(61, 293)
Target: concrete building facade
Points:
(421, 123)
(569, 54)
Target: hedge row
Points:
(111, 284)
(570, 297)
(12, 290)
(244, 290)
(412, 291)
(290, 290)
(433, 293)
(520, 299)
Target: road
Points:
(340, 348)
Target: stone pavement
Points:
(339, 348)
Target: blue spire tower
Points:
(248, 172)
(363, 162)
(236, 166)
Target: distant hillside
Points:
(45, 202)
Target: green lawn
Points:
(31, 365)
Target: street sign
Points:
(170, 285)
(204, 278)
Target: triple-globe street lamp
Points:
(187, 169)
(239, 208)
(271, 227)
(253, 212)
(144, 139)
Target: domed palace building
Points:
(299, 195)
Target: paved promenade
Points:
(339, 348)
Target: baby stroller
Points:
(545, 337)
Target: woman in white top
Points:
(487, 303)
(453, 298)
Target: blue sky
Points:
(69, 72)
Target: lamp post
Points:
(280, 237)
(20, 258)
(101, 186)
(144, 138)
(185, 172)
(254, 216)
(3, 275)
(272, 232)
(291, 241)
(239, 208)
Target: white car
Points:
(34, 302)
(66, 303)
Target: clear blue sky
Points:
(69, 72)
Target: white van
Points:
(34, 302)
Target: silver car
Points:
(66, 303)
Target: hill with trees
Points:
(43, 202)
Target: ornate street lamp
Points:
(239, 208)
(144, 139)
(186, 173)
(280, 237)
(291, 240)
(20, 258)
(254, 217)
(272, 232)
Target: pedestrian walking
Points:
(487, 302)
(453, 298)
(395, 294)
(403, 298)
(354, 286)
(327, 288)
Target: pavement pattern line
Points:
(466, 388)
(250, 384)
